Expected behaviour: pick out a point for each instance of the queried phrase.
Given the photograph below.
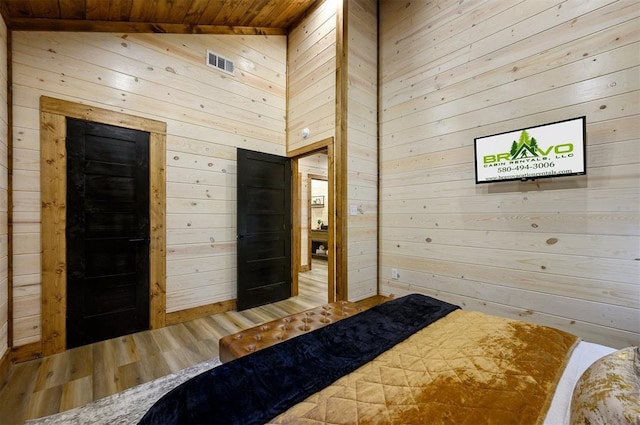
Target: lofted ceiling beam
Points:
(74, 25)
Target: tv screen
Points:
(547, 150)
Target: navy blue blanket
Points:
(255, 388)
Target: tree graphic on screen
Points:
(524, 146)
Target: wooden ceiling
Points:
(163, 16)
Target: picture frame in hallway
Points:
(317, 201)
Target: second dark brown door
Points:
(264, 228)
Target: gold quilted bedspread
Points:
(466, 368)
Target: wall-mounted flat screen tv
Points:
(548, 150)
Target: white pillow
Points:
(608, 392)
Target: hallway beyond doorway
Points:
(312, 284)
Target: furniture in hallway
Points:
(319, 238)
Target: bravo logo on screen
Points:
(527, 148)
(548, 150)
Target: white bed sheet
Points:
(582, 357)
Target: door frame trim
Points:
(53, 171)
(335, 251)
(310, 178)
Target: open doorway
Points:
(313, 273)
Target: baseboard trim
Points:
(201, 311)
(304, 268)
(5, 362)
(373, 301)
(26, 352)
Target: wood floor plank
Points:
(78, 376)
(45, 402)
(155, 366)
(54, 371)
(193, 355)
(164, 338)
(105, 377)
(207, 348)
(126, 350)
(80, 362)
(217, 330)
(182, 335)
(176, 360)
(199, 328)
(77, 392)
(256, 317)
(130, 375)
(17, 391)
(147, 346)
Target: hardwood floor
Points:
(312, 285)
(78, 376)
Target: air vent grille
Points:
(221, 63)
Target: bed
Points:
(410, 360)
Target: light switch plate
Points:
(353, 210)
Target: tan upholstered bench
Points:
(271, 333)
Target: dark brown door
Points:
(107, 232)
(264, 228)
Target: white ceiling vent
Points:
(214, 60)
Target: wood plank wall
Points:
(311, 100)
(208, 115)
(560, 251)
(4, 160)
(312, 79)
(312, 105)
(362, 148)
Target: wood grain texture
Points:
(66, 380)
(53, 183)
(333, 287)
(341, 160)
(198, 312)
(147, 79)
(5, 362)
(26, 352)
(198, 17)
(6, 245)
(158, 222)
(560, 252)
(361, 116)
(54, 276)
(311, 78)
